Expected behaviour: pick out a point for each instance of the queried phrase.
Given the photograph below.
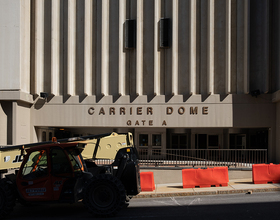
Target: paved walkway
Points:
(243, 184)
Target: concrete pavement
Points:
(168, 183)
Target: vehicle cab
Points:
(50, 172)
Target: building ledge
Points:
(16, 96)
(143, 99)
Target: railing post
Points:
(235, 157)
(207, 156)
(176, 159)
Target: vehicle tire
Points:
(104, 195)
(7, 198)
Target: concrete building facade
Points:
(179, 74)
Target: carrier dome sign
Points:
(147, 114)
(136, 115)
(146, 110)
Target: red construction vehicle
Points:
(57, 172)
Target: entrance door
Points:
(206, 141)
(237, 141)
(179, 141)
(150, 145)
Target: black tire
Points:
(7, 198)
(104, 195)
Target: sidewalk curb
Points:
(218, 192)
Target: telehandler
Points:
(65, 171)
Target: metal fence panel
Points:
(204, 157)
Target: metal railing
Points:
(202, 158)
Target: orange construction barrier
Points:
(147, 181)
(266, 173)
(217, 176)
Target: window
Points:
(44, 136)
(36, 166)
(205, 141)
(213, 140)
(237, 141)
(75, 160)
(156, 139)
(143, 139)
(63, 161)
(50, 136)
(201, 141)
(179, 141)
(60, 162)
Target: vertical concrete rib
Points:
(156, 48)
(228, 47)
(139, 48)
(246, 45)
(192, 46)
(266, 42)
(71, 59)
(39, 46)
(210, 46)
(88, 48)
(276, 59)
(175, 11)
(105, 48)
(25, 31)
(55, 45)
(122, 56)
